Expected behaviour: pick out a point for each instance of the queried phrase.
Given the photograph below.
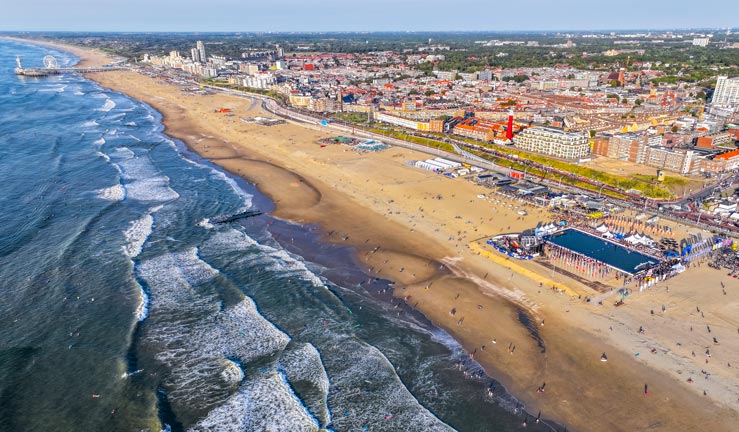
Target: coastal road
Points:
(270, 105)
(636, 204)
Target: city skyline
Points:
(380, 15)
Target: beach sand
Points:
(414, 228)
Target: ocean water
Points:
(123, 309)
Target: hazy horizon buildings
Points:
(201, 49)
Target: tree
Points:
(428, 92)
(413, 92)
(675, 128)
(638, 102)
(592, 133)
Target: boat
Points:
(235, 216)
(603, 357)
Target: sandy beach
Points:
(416, 228)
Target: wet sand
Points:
(414, 227)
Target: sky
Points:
(363, 15)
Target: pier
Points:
(51, 67)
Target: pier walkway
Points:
(51, 67)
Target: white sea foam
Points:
(364, 368)
(142, 310)
(264, 403)
(136, 235)
(304, 364)
(198, 349)
(205, 223)
(280, 261)
(79, 93)
(113, 193)
(286, 263)
(130, 124)
(90, 123)
(232, 374)
(220, 175)
(99, 142)
(54, 89)
(128, 374)
(104, 156)
(123, 153)
(107, 106)
(229, 240)
(170, 278)
(142, 180)
(151, 189)
(246, 198)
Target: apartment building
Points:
(446, 75)
(553, 142)
(727, 91)
(482, 133)
(719, 163)
(680, 161)
(430, 126)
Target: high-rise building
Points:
(279, 52)
(201, 49)
(727, 91)
(195, 54)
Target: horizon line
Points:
(520, 31)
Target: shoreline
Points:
(311, 199)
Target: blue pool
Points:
(603, 250)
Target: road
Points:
(635, 203)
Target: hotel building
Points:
(553, 142)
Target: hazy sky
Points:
(348, 15)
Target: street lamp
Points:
(601, 190)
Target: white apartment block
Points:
(261, 81)
(727, 91)
(553, 142)
(701, 42)
(395, 120)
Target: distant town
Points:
(615, 119)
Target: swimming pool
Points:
(611, 253)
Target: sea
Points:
(124, 307)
